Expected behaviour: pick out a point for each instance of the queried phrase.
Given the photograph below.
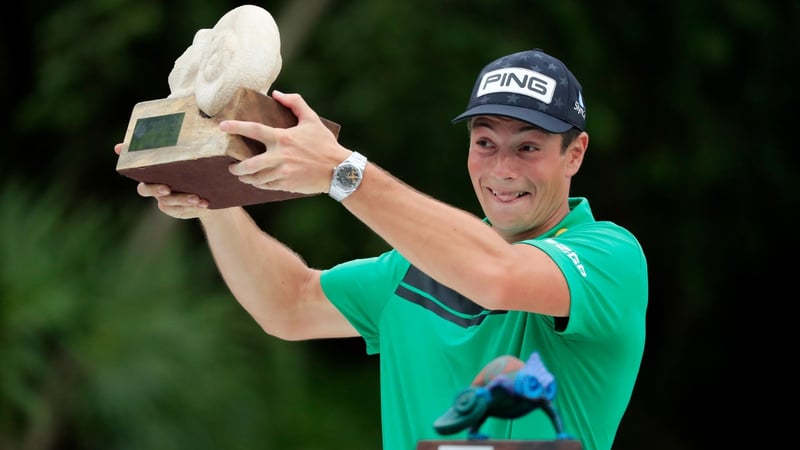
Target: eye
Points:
(484, 143)
(528, 148)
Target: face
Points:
(520, 175)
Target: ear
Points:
(575, 153)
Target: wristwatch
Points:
(347, 176)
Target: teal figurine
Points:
(505, 388)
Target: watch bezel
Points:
(342, 176)
(347, 176)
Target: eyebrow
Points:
(487, 122)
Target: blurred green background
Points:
(116, 331)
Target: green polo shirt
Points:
(432, 341)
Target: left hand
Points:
(297, 159)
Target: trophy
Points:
(505, 388)
(224, 74)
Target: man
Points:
(538, 273)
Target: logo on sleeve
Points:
(570, 254)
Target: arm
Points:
(270, 281)
(452, 246)
(458, 249)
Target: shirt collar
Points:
(579, 213)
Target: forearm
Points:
(449, 244)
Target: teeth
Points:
(509, 196)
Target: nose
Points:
(505, 165)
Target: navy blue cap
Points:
(530, 86)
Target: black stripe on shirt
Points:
(473, 314)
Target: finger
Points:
(266, 185)
(253, 130)
(118, 148)
(165, 196)
(261, 183)
(152, 190)
(296, 103)
(253, 165)
(183, 200)
(182, 212)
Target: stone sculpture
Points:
(242, 50)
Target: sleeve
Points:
(606, 272)
(360, 290)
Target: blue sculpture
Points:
(505, 388)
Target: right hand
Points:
(178, 204)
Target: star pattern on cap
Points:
(507, 64)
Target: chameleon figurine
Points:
(505, 388)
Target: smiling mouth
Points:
(507, 196)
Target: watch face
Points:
(347, 177)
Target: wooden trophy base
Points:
(170, 141)
(561, 444)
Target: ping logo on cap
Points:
(579, 107)
(518, 81)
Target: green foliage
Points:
(124, 339)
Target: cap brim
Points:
(531, 116)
